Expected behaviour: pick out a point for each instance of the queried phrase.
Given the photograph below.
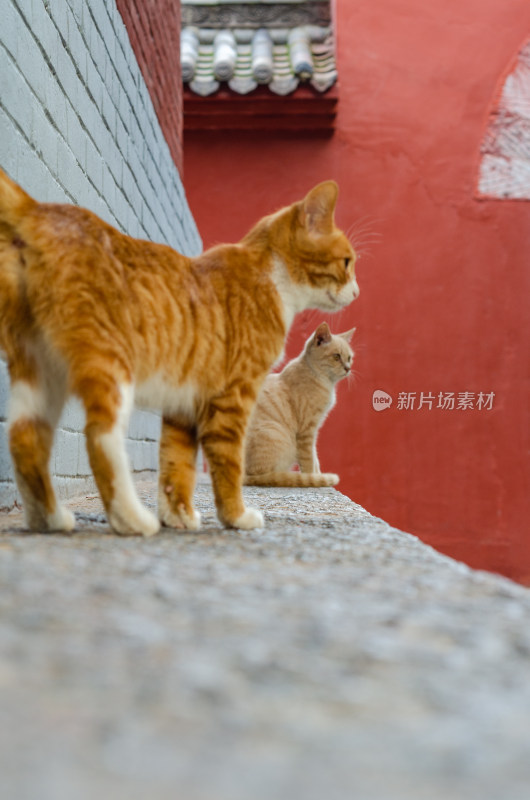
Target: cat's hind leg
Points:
(35, 405)
(108, 407)
(178, 455)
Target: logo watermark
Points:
(381, 400)
(445, 401)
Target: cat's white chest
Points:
(295, 298)
(156, 392)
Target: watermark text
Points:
(431, 401)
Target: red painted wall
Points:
(444, 290)
(153, 27)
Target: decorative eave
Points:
(258, 61)
(281, 59)
(305, 111)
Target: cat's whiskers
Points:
(363, 237)
(366, 239)
(365, 255)
(366, 242)
(352, 377)
(363, 223)
(339, 317)
(314, 316)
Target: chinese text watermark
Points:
(445, 401)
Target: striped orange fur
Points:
(89, 311)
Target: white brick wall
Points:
(77, 125)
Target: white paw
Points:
(250, 518)
(130, 522)
(62, 519)
(181, 519)
(191, 521)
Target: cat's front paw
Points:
(181, 517)
(189, 520)
(134, 522)
(249, 519)
(62, 519)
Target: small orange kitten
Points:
(291, 408)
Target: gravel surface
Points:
(326, 657)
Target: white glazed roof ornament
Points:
(243, 58)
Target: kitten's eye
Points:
(347, 262)
(336, 356)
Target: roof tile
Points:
(271, 54)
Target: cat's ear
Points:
(322, 335)
(348, 335)
(318, 207)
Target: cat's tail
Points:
(14, 201)
(14, 205)
(300, 479)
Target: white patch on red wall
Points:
(505, 163)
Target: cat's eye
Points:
(347, 262)
(336, 356)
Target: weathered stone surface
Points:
(505, 165)
(327, 656)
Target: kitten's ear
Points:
(348, 336)
(322, 335)
(318, 207)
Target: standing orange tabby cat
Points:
(291, 408)
(87, 310)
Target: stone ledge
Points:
(327, 655)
